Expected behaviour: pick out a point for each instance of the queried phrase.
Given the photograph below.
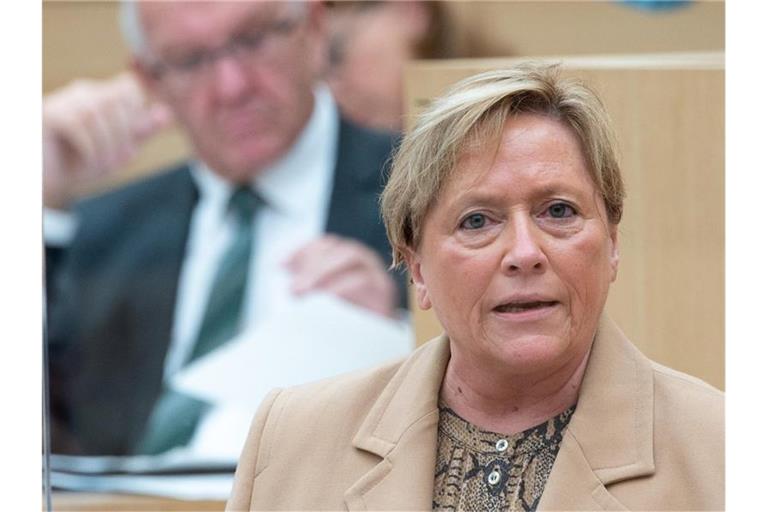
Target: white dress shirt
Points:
(296, 191)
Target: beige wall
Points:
(81, 39)
(669, 115)
(514, 28)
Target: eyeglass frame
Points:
(238, 46)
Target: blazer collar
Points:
(401, 427)
(610, 436)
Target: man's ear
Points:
(147, 79)
(413, 260)
(162, 113)
(613, 231)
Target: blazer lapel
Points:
(159, 256)
(573, 484)
(404, 478)
(402, 429)
(357, 181)
(128, 294)
(159, 253)
(610, 436)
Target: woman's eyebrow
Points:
(498, 194)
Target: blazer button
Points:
(494, 477)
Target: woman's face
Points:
(517, 254)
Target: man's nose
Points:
(230, 78)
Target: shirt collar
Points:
(286, 183)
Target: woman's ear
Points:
(413, 261)
(614, 250)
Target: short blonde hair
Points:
(475, 110)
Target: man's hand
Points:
(347, 269)
(91, 128)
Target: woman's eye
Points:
(560, 210)
(474, 221)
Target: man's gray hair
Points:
(132, 29)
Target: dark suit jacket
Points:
(112, 302)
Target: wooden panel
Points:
(81, 502)
(82, 39)
(669, 297)
(545, 27)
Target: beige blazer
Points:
(643, 437)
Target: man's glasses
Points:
(260, 44)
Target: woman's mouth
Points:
(521, 307)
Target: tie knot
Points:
(244, 203)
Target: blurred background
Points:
(82, 39)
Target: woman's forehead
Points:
(528, 143)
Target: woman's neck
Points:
(508, 404)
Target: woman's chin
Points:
(528, 354)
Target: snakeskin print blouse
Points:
(479, 470)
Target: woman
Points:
(504, 202)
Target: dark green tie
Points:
(176, 415)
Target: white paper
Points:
(316, 336)
(180, 487)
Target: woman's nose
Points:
(523, 251)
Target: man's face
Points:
(238, 76)
(372, 45)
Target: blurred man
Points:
(279, 199)
(370, 44)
